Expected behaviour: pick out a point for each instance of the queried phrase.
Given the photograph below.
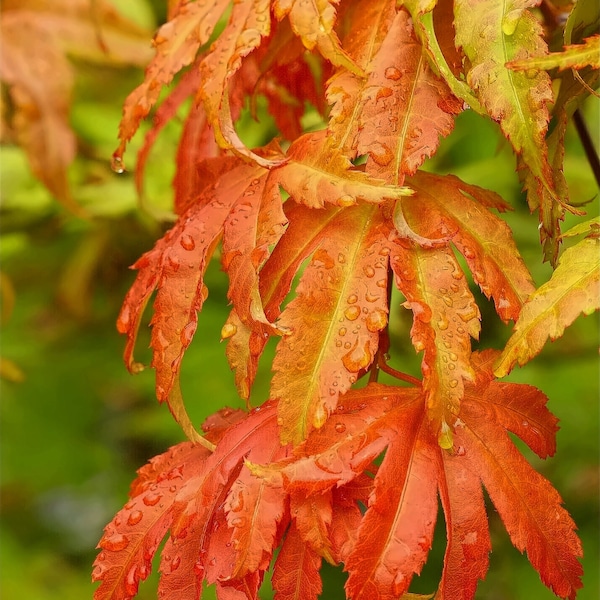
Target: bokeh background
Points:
(75, 425)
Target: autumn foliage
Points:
(314, 230)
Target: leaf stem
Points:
(588, 144)
(397, 374)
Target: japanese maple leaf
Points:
(314, 23)
(445, 315)
(218, 515)
(315, 174)
(196, 143)
(176, 266)
(574, 56)
(177, 43)
(517, 100)
(249, 23)
(398, 114)
(395, 533)
(333, 323)
(572, 290)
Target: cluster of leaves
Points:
(325, 468)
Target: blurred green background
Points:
(75, 425)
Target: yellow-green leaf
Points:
(491, 35)
(573, 289)
(574, 56)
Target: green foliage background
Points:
(77, 426)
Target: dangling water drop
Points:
(116, 163)
(228, 330)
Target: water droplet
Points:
(382, 283)
(453, 356)
(398, 584)
(175, 563)
(346, 200)
(445, 437)
(392, 73)
(341, 258)
(442, 323)
(114, 542)
(352, 313)
(376, 320)
(340, 427)
(136, 367)
(187, 333)
(419, 346)
(510, 21)
(352, 299)
(424, 543)
(187, 242)
(99, 570)
(531, 73)
(321, 258)
(116, 164)
(151, 499)
(448, 301)
(199, 569)
(132, 581)
(347, 345)
(228, 330)
(342, 331)
(381, 154)
(478, 277)
(237, 502)
(238, 522)
(453, 383)
(371, 297)
(384, 92)
(338, 343)
(369, 271)
(320, 416)
(135, 517)
(460, 451)
(525, 424)
(357, 358)
(469, 314)
(173, 262)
